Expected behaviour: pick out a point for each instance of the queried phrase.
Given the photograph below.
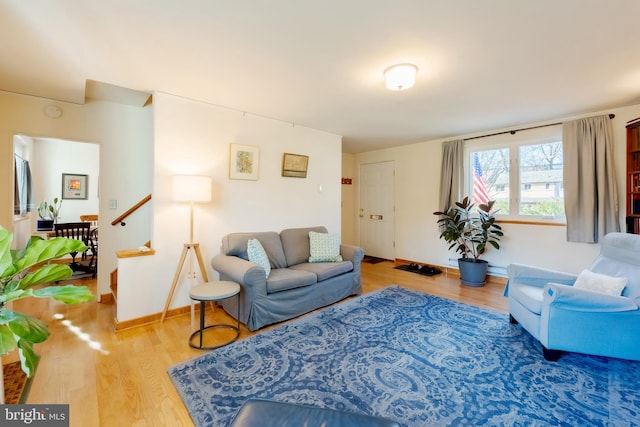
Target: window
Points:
(22, 191)
(521, 172)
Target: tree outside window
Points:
(535, 183)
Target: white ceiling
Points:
(483, 64)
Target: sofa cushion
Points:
(325, 270)
(529, 296)
(257, 255)
(236, 244)
(600, 283)
(324, 247)
(295, 243)
(282, 279)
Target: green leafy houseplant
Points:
(467, 232)
(50, 211)
(21, 273)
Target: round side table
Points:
(214, 291)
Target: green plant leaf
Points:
(468, 233)
(6, 316)
(28, 358)
(68, 294)
(22, 269)
(46, 274)
(6, 260)
(7, 340)
(13, 295)
(21, 331)
(45, 250)
(28, 328)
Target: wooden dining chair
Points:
(93, 219)
(78, 231)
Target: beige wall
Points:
(417, 182)
(192, 137)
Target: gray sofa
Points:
(294, 286)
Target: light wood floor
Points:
(120, 379)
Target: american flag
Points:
(480, 193)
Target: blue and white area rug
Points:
(415, 358)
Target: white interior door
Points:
(377, 217)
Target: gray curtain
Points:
(452, 173)
(22, 191)
(590, 194)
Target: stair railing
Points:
(120, 219)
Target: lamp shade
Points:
(192, 188)
(401, 76)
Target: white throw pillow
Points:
(324, 247)
(257, 255)
(601, 283)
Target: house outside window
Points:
(521, 172)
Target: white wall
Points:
(417, 182)
(52, 158)
(193, 138)
(125, 135)
(23, 147)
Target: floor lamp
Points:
(192, 189)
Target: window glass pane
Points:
(490, 178)
(541, 190)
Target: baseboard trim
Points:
(152, 318)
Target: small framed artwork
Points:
(243, 162)
(74, 186)
(295, 165)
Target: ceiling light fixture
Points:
(400, 76)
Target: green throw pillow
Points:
(324, 247)
(257, 255)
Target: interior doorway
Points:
(377, 210)
(50, 160)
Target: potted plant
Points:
(470, 233)
(28, 273)
(48, 214)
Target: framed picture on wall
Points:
(294, 165)
(74, 186)
(243, 162)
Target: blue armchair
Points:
(567, 318)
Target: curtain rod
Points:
(513, 132)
